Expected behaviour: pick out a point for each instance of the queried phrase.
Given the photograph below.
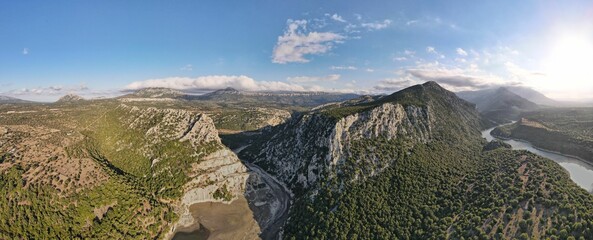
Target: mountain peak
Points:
(70, 98)
(432, 84)
(503, 89)
(420, 94)
(156, 92)
(226, 91)
(230, 89)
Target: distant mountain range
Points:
(6, 99)
(502, 104)
(534, 96)
(154, 93)
(409, 165)
(234, 96)
(70, 98)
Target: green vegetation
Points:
(223, 193)
(567, 130)
(145, 174)
(445, 192)
(249, 119)
(38, 212)
(449, 184)
(454, 186)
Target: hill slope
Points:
(534, 96)
(565, 130)
(70, 98)
(412, 165)
(6, 99)
(104, 169)
(303, 99)
(500, 105)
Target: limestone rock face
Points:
(171, 124)
(312, 145)
(219, 170)
(215, 168)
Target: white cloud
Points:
(377, 25)
(430, 22)
(49, 90)
(187, 67)
(461, 52)
(463, 77)
(409, 52)
(308, 79)
(50, 93)
(214, 82)
(338, 18)
(343, 68)
(520, 74)
(394, 84)
(432, 50)
(358, 16)
(457, 79)
(400, 59)
(370, 70)
(296, 43)
(25, 51)
(411, 22)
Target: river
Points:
(580, 171)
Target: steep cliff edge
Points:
(413, 165)
(180, 155)
(318, 145)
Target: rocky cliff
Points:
(319, 145)
(213, 172)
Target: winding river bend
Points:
(580, 171)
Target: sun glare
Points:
(569, 64)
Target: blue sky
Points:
(101, 48)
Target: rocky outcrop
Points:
(219, 170)
(319, 145)
(387, 121)
(70, 98)
(171, 124)
(215, 173)
(250, 119)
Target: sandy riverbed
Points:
(215, 220)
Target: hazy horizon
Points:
(104, 48)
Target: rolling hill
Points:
(500, 104)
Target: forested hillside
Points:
(371, 178)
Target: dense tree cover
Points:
(133, 203)
(161, 166)
(442, 191)
(567, 130)
(38, 212)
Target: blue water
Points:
(580, 171)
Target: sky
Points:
(106, 48)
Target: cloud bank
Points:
(308, 79)
(215, 82)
